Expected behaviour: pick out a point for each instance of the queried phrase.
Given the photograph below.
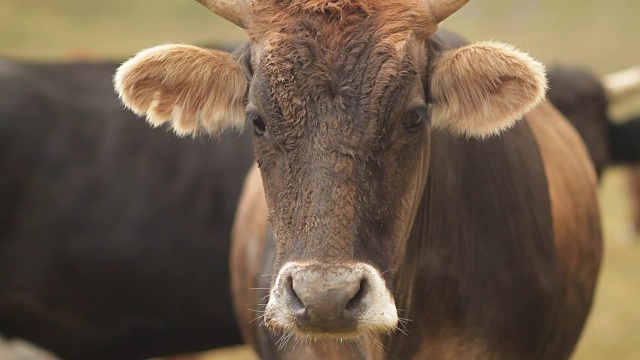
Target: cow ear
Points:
(197, 90)
(482, 89)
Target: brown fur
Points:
(247, 253)
(450, 347)
(273, 16)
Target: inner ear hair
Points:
(482, 89)
(194, 89)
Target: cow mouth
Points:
(326, 334)
(286, 334)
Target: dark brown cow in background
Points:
(386, 191)
(585, 100)
(114, 238)
(625, 146)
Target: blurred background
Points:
(601, 35)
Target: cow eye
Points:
(259, 127)
(414, 118)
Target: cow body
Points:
(394, 215)
(492, 269)
(114, 239)
(466, 256)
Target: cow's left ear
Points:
(482, 89)
(197, 90)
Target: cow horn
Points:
(442, 9)
(236, 11)
(623, 83)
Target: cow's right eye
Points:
(259, 127)
(414, 118)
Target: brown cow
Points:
(388, 195)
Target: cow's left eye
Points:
(414, 118)
(259, 127)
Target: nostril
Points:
(293, 295)
(356, 300)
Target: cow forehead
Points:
(390, 16)
(339, 66)
(347, 89)
(336, 58)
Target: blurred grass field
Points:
(602, 35)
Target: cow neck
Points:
(483, 230)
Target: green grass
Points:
(601, 35)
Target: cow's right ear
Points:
(197, 90)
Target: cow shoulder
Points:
(248, 252)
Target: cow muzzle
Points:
(328, 300)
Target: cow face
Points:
(342, 97)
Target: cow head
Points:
(342, 96)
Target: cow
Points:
(114, 239)
(585, 98)
(624, 134)
(624, 145)
(627, 153)
(411, 200)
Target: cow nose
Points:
(334, 300)
(323, 306)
